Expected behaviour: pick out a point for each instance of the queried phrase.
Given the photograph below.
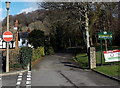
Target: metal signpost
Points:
(104, 36)
(7, 36)
(7, 57)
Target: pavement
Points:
(51, 71)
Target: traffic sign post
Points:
(7, 57)
(7, 36)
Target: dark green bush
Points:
(49, 50)
(36, 38)
(25, 56)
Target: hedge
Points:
(49, 50)
(25, 56)
(37, 53)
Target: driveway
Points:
(52, 71)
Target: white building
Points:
(21, 43)
(3, 44)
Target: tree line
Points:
(62, 24)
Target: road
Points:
(51, 71)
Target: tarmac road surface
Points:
(52, 72)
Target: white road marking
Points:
(28, 82)
(0, 78)
(18, 83)
(29, 76)
(19, 79)
(28, 79)
(20, 76)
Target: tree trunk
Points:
(91, 42)
(86, 28)
(69, 42)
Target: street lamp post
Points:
(7, 56)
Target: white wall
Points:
(0, 42)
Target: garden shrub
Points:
(14, 56)
(41, 50)
(25, 56)
(37, 53)
(16, 65)
(13, 61)
(49, 50)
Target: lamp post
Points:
(7, 56)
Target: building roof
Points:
(23, 34)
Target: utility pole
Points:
(16, 39)
(7, 56)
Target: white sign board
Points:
(112, 56)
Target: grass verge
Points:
(111, 68)
(82, 59)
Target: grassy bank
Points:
(111, 68)
(82, 59)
